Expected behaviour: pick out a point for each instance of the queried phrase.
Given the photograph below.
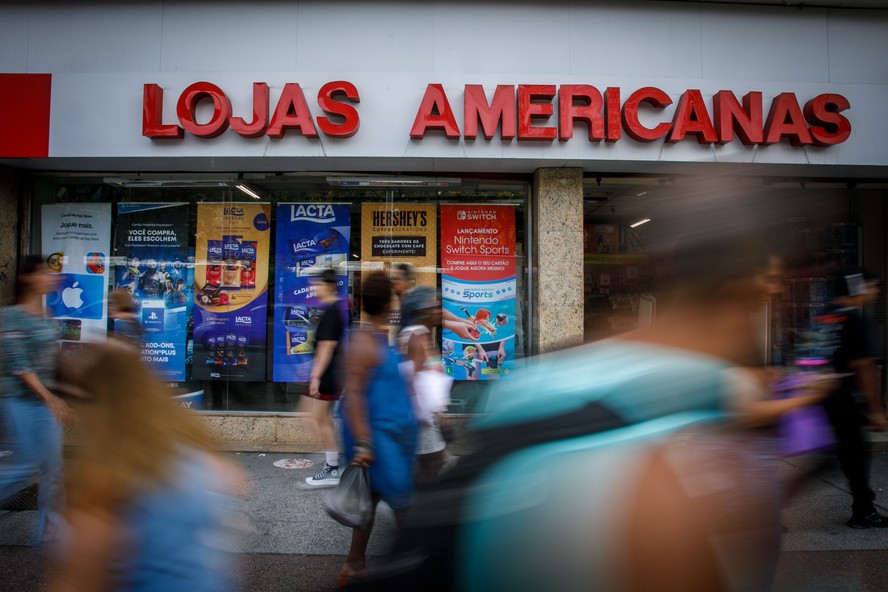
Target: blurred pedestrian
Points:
(148, 502)
(852, 358)
(123, 312)
(416, 343)
(403, 279)
(379, 422)
(625, 464)
(325, 384)
(32, 413)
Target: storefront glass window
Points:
(219, 267)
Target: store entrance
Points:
(627, 221)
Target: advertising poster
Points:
(76, 240)
(400, 233)
(478, 290)
(309, 239)
(151, 251)
(231, 291)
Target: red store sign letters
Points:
(520, 112)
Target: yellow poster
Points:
(392, 234)
(231, 291)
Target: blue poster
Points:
(310, 238)
(154, 266)
(478, 285)
(231, 292)
(76, 240)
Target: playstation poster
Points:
(478, 286)
(153, 265)
(309, 239)
(231, 291)
(76, 238)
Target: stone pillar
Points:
(9, 233)
(557, 211)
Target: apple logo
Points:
(71, 296)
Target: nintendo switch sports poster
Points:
(309, 239)
(478, 247)
(231, 291)
(152, 264)
(76, 239)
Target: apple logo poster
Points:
(76, 242)
(152, 262)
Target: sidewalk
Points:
(296, 546)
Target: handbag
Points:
(432, 392)
(804, 430)
(350, 503)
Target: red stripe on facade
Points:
(24, 115)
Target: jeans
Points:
(36, 442)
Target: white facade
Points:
(100, 57)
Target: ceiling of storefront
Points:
(802, 3)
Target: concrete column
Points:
(9, 221)
(558, 250)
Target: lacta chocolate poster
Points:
(152, 263)
(478, 290)
(309, 239)
(76, 240)
(231, 291)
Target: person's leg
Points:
(853, 450)
(321, 412)
(51, 489)
(429, 465)
(323, 416)
(355, 564)
(17, 469)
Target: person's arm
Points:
(83, 567)
(15, 357)
(752, 408)
(457, 325)
(481, 354)
(363, 357)
(58, 407)
(501, 352)
(866, 375)
(416, 351)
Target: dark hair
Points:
(328, 276)
(28, 265)
(376, 293)
(415, 301)
(703, 263)
(407, 270)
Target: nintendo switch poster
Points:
(309, 239)
(152, 264)
(76, 240)
(478, 285)
(231, 291)
(402, 233)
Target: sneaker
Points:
(329, 477)
(871, 520)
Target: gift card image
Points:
(78, 295)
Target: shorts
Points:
(430, 439)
